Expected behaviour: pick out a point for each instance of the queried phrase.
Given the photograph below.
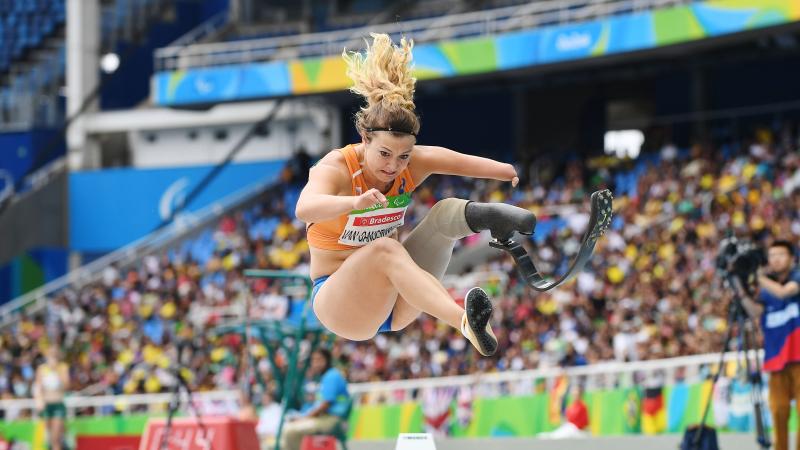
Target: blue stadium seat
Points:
(25, 26)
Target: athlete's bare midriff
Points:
(325, 262)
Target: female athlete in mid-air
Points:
(365, 281)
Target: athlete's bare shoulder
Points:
(331, 170)
(333, 161)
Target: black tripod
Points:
(175, 403)
(746, 339)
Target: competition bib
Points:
(366, 225)
(51, 380)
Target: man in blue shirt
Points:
(779, 308)
(330, 407)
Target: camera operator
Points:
(779, 308)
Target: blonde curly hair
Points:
(382, 75)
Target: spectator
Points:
(268, 418)
(50, 386)
(779, 303)
(330, 409)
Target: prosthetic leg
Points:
(599, 220)
(431, 244)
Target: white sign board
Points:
(415, 441)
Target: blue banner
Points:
(518, 50)
(542, 45)
(218, 83)
(111, 208)
(629, 33)
(573, 41)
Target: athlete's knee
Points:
(387, 247)
(387, 254)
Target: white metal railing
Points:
(184, 223)
(595, 376)
(474, 23)
(613, 374)
(128, 404)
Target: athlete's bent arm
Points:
(319, 200)
(428, 160)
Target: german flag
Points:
(654, 415)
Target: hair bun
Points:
(392, 98)
(382, 74)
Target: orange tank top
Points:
(359, 228)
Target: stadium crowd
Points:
(651, 290)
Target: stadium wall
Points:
(611, 413)
(38, 221)
(31, 270)
(25, 150)
(210, 145)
